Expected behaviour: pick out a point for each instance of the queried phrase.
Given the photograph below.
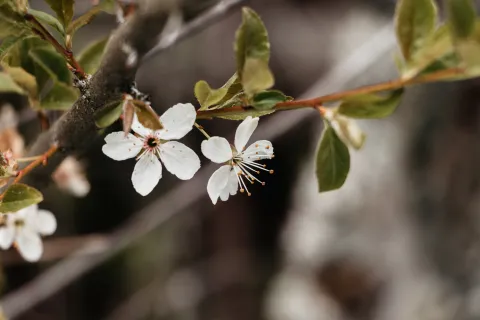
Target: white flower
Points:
(24, 228)
(70, 177)
(239, 162)
(347, 129)
(148, 145)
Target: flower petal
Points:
(177, 121)
(120, 147)
(232, 183)
(179, 159)
(231, 188)
(46, 224)
(217, 149)
(147, 173)
(29, 244)
(7, 234)
(244, 132)
(218, 182)
(258, 149)
(137, 127)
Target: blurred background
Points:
(399, 241)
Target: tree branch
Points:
(75, 130)
(77, 264)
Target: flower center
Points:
(152, 142)
(19, 223)
(247, 169)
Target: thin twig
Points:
(77, 69)
(312, 103)
(40, 160)
(175, 202)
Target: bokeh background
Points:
(399, 241)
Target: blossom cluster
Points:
(151, 148)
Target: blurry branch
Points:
(175, 201)
(182, 291)
(75, 130)
(58, 248)
(222, 8)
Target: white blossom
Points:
(148, 146)
(70, 177)
(24, 229)
(240, 165)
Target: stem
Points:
(28, 159)
(312, 103)
(200, 128)
(38, 161)
(76, 68)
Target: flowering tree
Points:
(96, 88)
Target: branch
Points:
(174, 202)
(75, 130)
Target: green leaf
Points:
(9, 43)
(52, 63)
(83, 20)
(252, 49)
(437, 47)
(268, 99)
(8, 85)
(208, 97)
(107, 115)
(256, 76)
(333, 161)
(415, 20)
(462, 18)
(50, 20)
(91, 57)
(23, 79)
(371, 106)
(19, 196)
(465, 30)
(241, 115)
(146, 115)
(60, 97)
(108, 6)
(12, 21)
(63, 9)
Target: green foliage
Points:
(333, 161)
(11, 20)
(437, 47)
(465, 29)
(415, 21)
(47, 19)
(252, 49)
(91, 57)
(24, 80)
(19, 196)
(60, 97)
(268, 99)
(208, 97)
(244, 114)
(7, 84)
(9, 43)
(462, 18)
(63, 9)
(107, 115)
(52, 63)
(83, 20)
(371, 106)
